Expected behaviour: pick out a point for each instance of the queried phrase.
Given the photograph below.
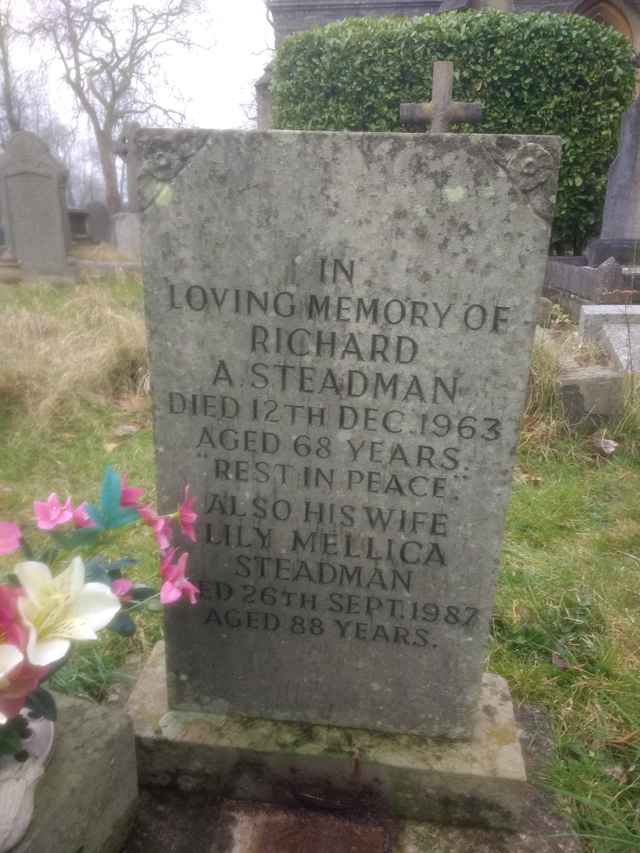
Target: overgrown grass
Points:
(62, 348)
(566, 632)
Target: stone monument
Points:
(125, 226)
(33, 185)
(340, 328)
(620, 234)
(99, 222)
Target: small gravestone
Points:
(99, 222)
(620, 233)
(340, 331)
(32, 184)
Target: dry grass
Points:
(97, 252)
(91, 351)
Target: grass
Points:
(566, 632)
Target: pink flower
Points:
(16, 688)
(81, 517)
(187, 516)
(175, 584)
(122, 588)
(129, 495)
(161, 526)
(10, 537)
(51, 513)
(12, 630)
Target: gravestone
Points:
(33, 185)
(620, 233)
(99, 222)
(340, 328)
(126, 226)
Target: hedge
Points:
(534, 73)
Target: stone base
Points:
(88, 796)
(591, 396)
(477, 782)
(626, 252)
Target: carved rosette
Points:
(530, 168)
(164, 154)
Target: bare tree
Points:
(111, 53)
(9, 94)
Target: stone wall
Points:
(294, 16)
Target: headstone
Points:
(620, 234)
(127, 236)
(33, 190)
(340, 332)
(99, 223)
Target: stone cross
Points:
(441, 111)
(125, 149)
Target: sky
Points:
(220, 81)
(217, 81)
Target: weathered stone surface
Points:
(591, 396)
(620, 233)
(86, 800)
(32, 184)
(622, 344)
(340, 329)
(127, 234)
(99, 222)
(480, 781)
(621, 216)
(593, 319)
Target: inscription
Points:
(316, 406)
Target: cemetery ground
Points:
(566, 631)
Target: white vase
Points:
(18, 780)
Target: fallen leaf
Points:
(617, 772)
(559, 661)
(110, 446)
(125, 430)
(604, 446)
(522, 476)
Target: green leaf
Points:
(42, 704)
(142, 593)
(110, 514)
(122, 624)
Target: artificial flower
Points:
(81, 517)
(187, 516)
(160, 524)
(15, 689)
(129, 495)
(176, 585)
(12, 642)
(121, 587)
(10, 537)
(51, 513)
(12, 631)
(58, 609)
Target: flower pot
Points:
(18, 780)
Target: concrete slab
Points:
(481, 781)
(622, 343)
(591, 396)
(594, 317)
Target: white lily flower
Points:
(10, 657)
(58, 609)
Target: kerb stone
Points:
(481, 781)
(87, 798)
